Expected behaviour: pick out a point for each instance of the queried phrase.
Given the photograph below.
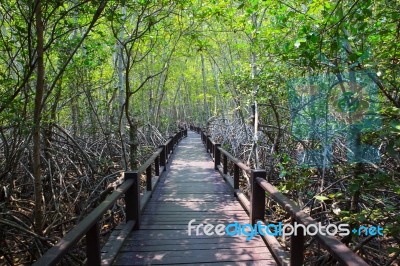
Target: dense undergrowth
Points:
(327, 194)
(81, 172)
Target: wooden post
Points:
(257, 197)
(163, 155)
(208, 143)
(93, 245)
(171, 145)
(297, 246)
(225, 164)
(148, 178)
(235, 176)
(157, 166)
(217, 156)
(132, 200)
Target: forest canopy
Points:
(308, 90)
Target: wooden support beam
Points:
(257, 197)
(132, 199)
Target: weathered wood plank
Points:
(196, 189)
(110, 252)
(171, 234)
(241, 263)
(190, 246)
(190, 189)
(214, 221)
(192, 256)
(192, 206)
(196, 215)
(190, 241)
(194, 197)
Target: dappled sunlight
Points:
(180, 163)
(192, 191)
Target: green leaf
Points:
(299, 42)
(321, 198)
(254, 3)
(393, 250)
(360, 217)
(395, 125)
(354, 187)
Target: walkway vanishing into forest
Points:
(183, 184)
(191, 189)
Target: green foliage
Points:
(252, 50)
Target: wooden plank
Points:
(178, 234)
(194, 178)
(148, 235)
(190, 189)
(194, 213)
(194, 197)
(185, 244)
(241, 263)
(183, 226)
(186, 185)
(191, 215)
(192, 256)
(208, 205)
(280, 255)
(196, 189)
(185, 221)
(191, 241)
(190, 246)
(111, 252)
(244, 201)
(188, 213)
(192, 206)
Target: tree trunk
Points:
(121, 89)
(37, 173)
(203, 73)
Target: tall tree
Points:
(39, 92)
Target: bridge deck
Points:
(191, 189)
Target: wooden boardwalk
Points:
(191, 189)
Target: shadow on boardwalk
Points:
(191, 189)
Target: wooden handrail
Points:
(256, 206)
(235, 160)
(336, 248)
(195, 129)
(149, 161)
(89, 226)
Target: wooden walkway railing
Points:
(180, 221)
(130, 188)
(256, 207)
